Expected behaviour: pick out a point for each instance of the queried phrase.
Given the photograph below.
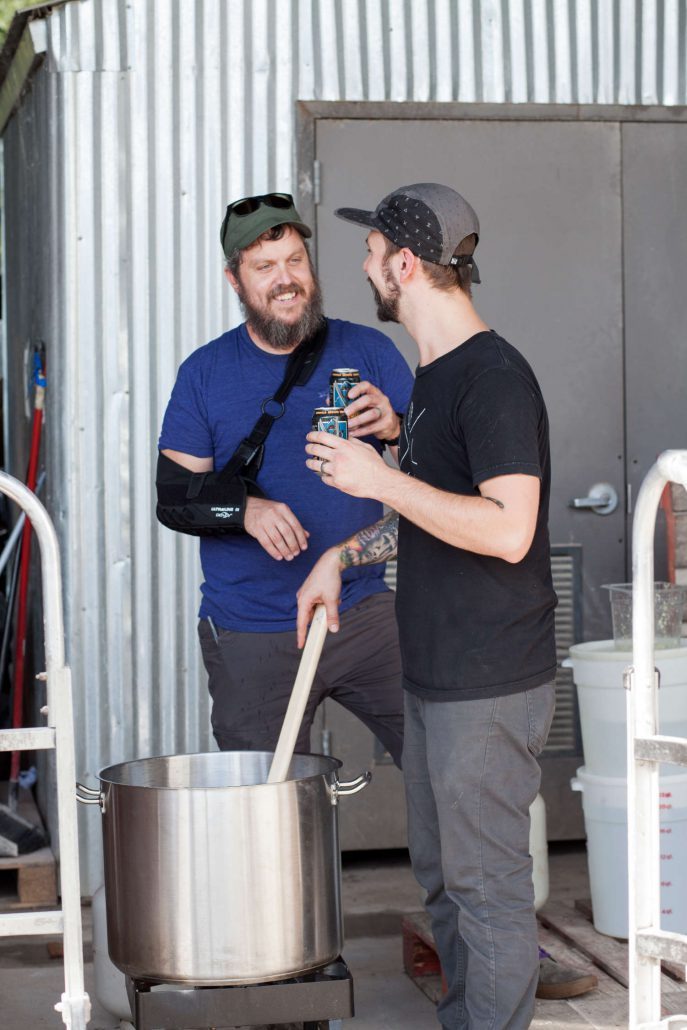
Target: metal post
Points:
(75, 1003)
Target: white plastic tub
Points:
(598, 675)
(604, 802)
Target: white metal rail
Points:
(74, 1006)
(648, 944)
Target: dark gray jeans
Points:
(250, 676)
(471, 774)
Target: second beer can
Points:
(330, 420)
(340, 382)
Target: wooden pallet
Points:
(31, 879)
(571, 923)
(420, 959)
(675, 972)
(28, 881)
(567, 933)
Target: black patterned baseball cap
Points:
(430, 219)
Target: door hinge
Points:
(629, 498)
(316, 182)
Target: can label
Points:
(340, 382)
(330, 420)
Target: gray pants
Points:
(251, 676)
(471, 774)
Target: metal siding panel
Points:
(540, 91)
(421, 54)
(260, 112)
(305, 86)
(493, 69)
(330, 51)
(443, 52)
(116, 497)
(86, 55)
(283, 102)
(562, 66)
(605, 54)
(627, 42)
(466, 52)
(143, 409)
(671, 53)
(649, 26)
(188, 200)
(397, 35)
(517, 53)
(584, 91)
(354, 88)
(374, 48)
(212, 145)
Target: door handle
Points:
(602, 499)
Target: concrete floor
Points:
(377, 890)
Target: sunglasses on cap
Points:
(250, 204)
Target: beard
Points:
(279, 334)
(387, 307)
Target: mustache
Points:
(285, 288)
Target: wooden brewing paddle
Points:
(299, 696)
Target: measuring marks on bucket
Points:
(672, 891)
(604, 802)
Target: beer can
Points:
(340, 382)
(330, 420)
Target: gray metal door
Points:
(549, 202)
(655, 260)
(579, 245)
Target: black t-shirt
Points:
(474, 626)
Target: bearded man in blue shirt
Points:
(248, 607)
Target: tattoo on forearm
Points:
(374, 544)
(498, 503)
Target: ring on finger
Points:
(323, 462)
(378, 410)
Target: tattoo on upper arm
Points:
(374, 544)
(495, 500)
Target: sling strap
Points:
(247, 458)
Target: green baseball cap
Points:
(248, 218)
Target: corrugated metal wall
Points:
(144, 120)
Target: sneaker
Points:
(558, 981)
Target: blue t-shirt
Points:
(215, 404)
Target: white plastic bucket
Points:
(598, 675)
(110, 982)
(604, 802)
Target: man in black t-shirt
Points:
(475, 601)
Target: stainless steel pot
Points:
(214, 876)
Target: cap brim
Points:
(304, 229)
(356, 215)
(252, 233)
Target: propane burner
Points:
(319, 1000)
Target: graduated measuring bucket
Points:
(598, 674)
(604, 802)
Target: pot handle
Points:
(94, 797)
(350, 786)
